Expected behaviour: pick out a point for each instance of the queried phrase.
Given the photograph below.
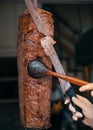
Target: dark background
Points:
(65, 21)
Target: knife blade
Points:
(42, 29)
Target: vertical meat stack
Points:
(34, 94)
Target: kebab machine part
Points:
(34, 94)
(37, 69)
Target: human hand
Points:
(87, 110)
(86, 88)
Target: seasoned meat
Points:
(34, 94)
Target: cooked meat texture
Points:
(34, 94)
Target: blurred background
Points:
(74, 35)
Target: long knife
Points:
(65, 85)
(42, 29)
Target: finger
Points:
(67, 100)
(92, 93)
(86, 87)
(78, 114)
(71, 108)
(74, 118)
(83, 100)
(78, 102)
